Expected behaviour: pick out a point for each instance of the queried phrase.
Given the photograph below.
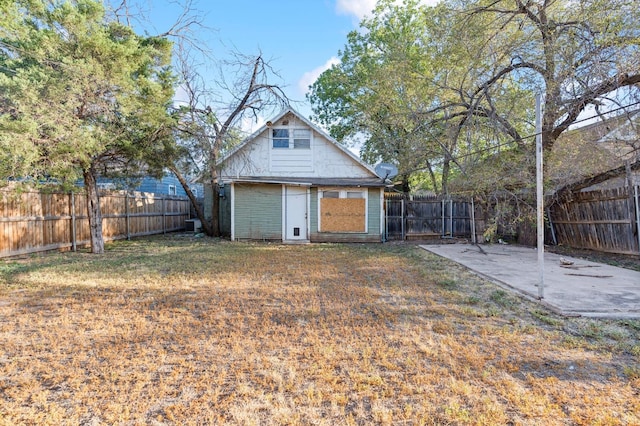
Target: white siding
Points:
(324, 159)
(283, 162)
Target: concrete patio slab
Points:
(573, 287)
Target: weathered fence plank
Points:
(31, 222)
(602, 220)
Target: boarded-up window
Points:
(344, 214)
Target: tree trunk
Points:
(406, 188)
(206, 226)
(446, 170)
(215, 209)
(568, 190)
(215, 191)
(434, 180)
(93, 211)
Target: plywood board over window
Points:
(342, 215)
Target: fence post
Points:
(127, 214)
(386, 220)
(637, 214)
(74, 246)
(553, 231)
(450, 218)
(402, 213)
(164, 216)
(473, 222)
(444, 218)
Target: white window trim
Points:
(271, 138)
(278, 153)
(172, 190)
(343, 194)
(291, 130)
(292, 141)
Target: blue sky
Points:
(300, 38)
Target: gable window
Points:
(280, 138)
(301, 138)
(342, 210)
(173, 190)
(291, 138)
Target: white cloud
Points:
(361, 8)
(309, 77)
(358, 8)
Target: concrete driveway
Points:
(573, 287)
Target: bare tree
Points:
(206, 131)
(207, 120)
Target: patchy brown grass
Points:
(175, 330)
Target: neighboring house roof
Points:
(370, 171)
(581, 156)
(601, 152)
(623, 137)
(593, 182)
(595, 149)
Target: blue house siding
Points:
(167, 185)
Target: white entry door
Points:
(295, 213)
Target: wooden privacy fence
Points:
(428, 217)
(34, 221)
(604, 220)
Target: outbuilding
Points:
(291, 182)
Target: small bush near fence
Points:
(37, 221)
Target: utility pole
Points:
(539, 197)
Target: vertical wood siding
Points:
(374, 212)
(258, 212)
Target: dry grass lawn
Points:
(177, 330)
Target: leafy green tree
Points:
(371, 95)
(576, 53)
(453, 85)
(81, 96)
(402, 85)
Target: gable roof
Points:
(317, 129)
